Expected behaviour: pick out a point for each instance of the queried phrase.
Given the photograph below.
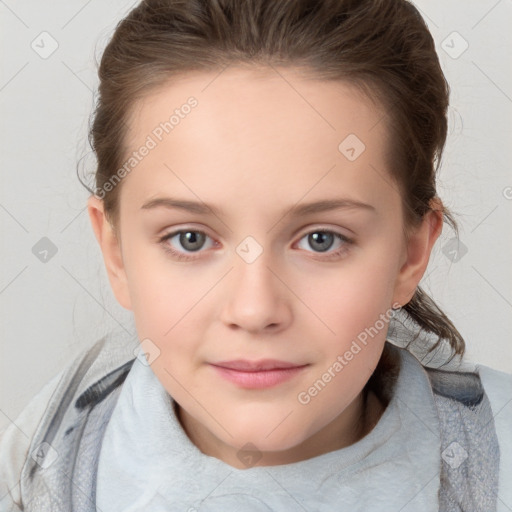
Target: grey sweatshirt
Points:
(443, 443)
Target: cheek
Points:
(351, 297)
(171, 307)
(158, 292)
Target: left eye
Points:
(322, 241)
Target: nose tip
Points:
(255, 299)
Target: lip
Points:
(260, 374)
(244, 365)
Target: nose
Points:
(256, 300)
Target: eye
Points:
(190, 240)
(322, 240)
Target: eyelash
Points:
(347, 242)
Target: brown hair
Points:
(383, 47)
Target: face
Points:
(257, 230)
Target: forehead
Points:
(259, 97)
(257, 129)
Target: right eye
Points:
(190, 240)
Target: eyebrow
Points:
(297, 210)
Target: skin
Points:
(254, 147)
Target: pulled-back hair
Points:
(382, 47)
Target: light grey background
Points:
(51, 310)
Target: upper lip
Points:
(244, 365)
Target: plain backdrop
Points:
(51, 310)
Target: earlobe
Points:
(418, 250)
(111, 250)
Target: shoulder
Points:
(15, 442)
(498, 387)
(497, 384)
(77, 384)
(470, 387)
(476, 406)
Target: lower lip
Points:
(259, 379)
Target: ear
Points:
(417, 253)
(111, 248)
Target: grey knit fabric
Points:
(76, 421)
(470, 452)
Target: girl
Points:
(265, 204)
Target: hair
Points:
(382, 47)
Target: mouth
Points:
(244, 365)
(257, 374)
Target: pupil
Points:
(322, 240)
(189, 237)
